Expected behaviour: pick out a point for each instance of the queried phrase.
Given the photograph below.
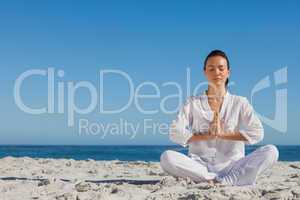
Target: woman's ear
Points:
(229, 72)
(204, 71)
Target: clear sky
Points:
(150, 41)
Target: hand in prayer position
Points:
(216, 126)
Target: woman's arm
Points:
(179, 131)
(225, 136)
(199, 137)
(250, 126)
(216, 130)
(232, 136)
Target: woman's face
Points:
(216, 71)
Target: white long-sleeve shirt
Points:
(236, 113)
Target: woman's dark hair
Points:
(217, 53)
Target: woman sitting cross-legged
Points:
(216, 126)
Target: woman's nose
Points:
(217, 71)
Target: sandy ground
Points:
(27, 178)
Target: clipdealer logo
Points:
(56, 87)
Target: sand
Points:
(27, 178)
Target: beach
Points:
(41, 178)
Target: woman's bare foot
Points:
(212, 182)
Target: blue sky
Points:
(154, 41)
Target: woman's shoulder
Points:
(196, 98)
(191, 99)
(238, 100)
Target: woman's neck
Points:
(216, 92)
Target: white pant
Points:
(241, 172)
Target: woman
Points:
(216, 126)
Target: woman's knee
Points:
(271, 151)
(166, 157)
(168, 160)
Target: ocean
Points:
(118, 152)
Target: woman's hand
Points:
(196, 138)
(213, 127)
(216, 126)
